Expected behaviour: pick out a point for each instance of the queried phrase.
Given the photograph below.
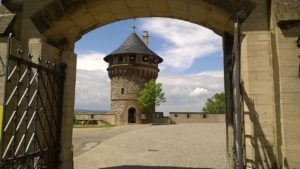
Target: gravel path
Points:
(85, 139)
(167, 146)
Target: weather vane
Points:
(134, 24)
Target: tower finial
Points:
(134, 25)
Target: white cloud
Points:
(184, 92)
(184, 42)
(92, 82)
(92, 90)
(91, 61)
(198, 91)
(189, 92)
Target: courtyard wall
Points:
(196, 117)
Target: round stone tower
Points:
(131, 66)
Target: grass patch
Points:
(92, 126)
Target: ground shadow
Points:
(149, 167)
(264, 155)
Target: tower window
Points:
(120, 59)
(122, 90)
(132, 58)
(145, 58)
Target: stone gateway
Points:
(47, 30)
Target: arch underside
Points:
(62, 19)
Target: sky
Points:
(191, 72)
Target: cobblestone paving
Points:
(159, 147)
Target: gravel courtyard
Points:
(146, 147)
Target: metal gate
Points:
(238, 116)
(32, 112)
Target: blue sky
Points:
(191, 72)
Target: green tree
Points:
(151, 95)
(215, 104)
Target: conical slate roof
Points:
(133, 44)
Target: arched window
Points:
(122, 90)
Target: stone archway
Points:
(59, 19)
(52, 27)
(60, 24)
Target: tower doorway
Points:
(132, 115)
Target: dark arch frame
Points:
(58, 17)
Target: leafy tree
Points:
(151, 95)
(215, 104)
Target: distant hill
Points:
(90, 111)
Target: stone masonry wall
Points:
(120, 109)
(131, 85)
(258, 83)
(186, 117)
(3, 55)
(270, 72)
(107, 117)
(120, 103)
(288, 84)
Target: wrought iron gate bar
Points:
(11, 95)
(47, 120)
(47, 94)
(31, 119)
(32, 112)
(36, 66)
(9, 121)
(13, 71)
(237, 98)
(29, 143)
(21, 120)
(27, 156)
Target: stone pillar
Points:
(227, 52)
(260, 99)
(258, 76)
(66, 155)
(287, 62)
(3, 55)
